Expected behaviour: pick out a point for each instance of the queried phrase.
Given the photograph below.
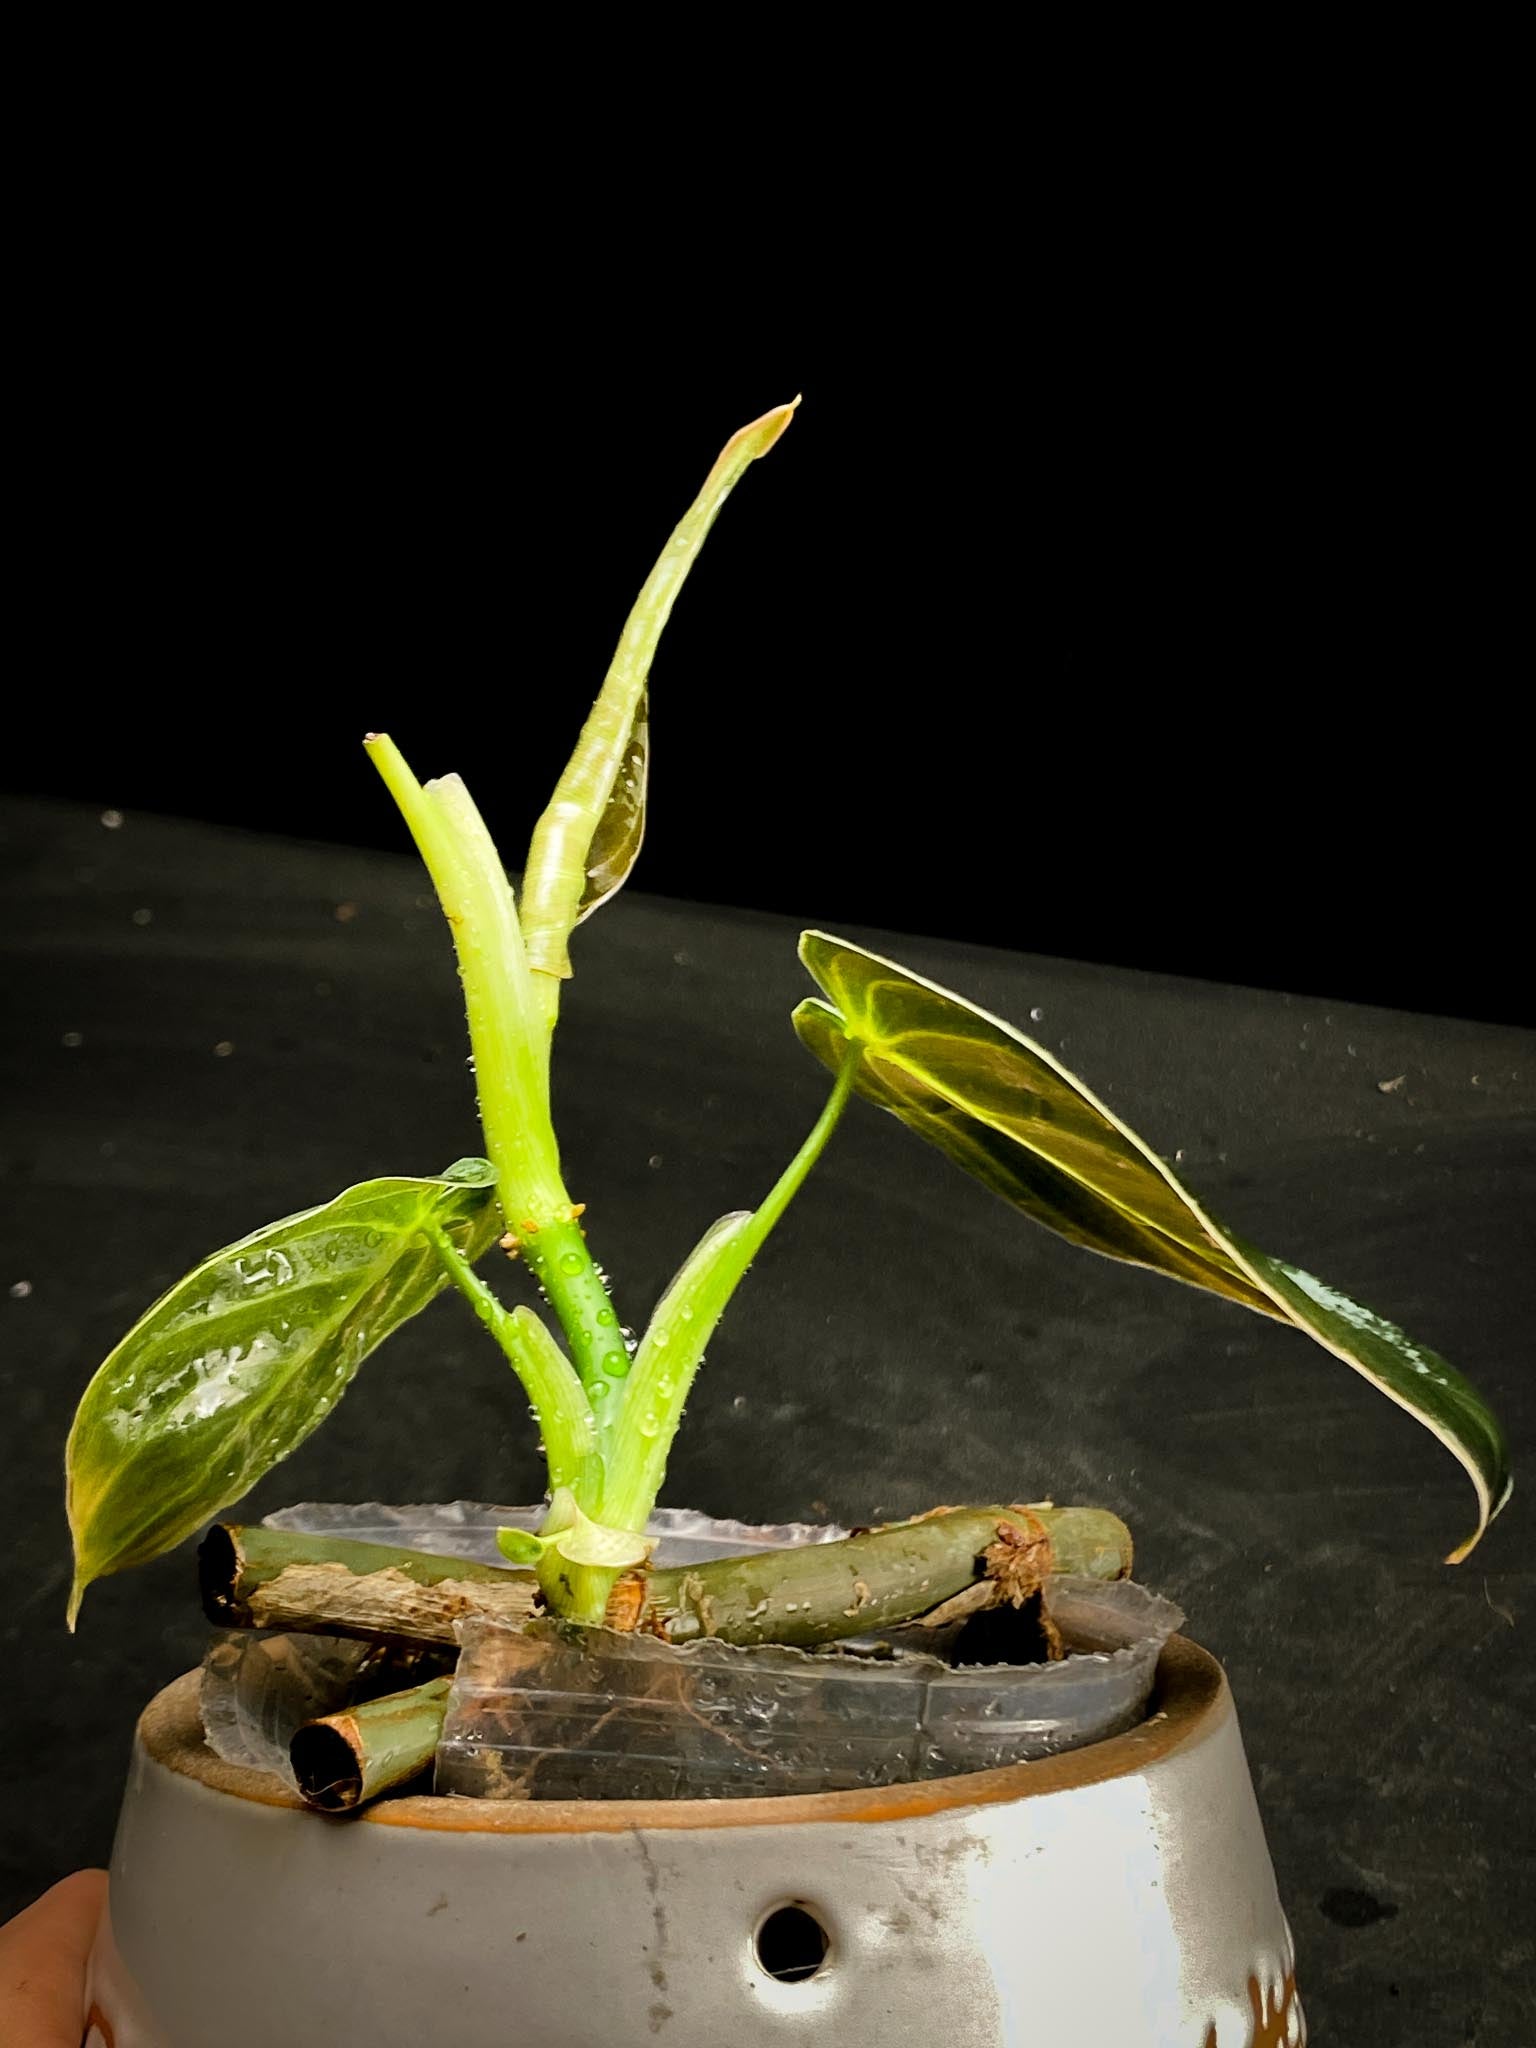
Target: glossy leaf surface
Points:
(1007, 1110)
(233, 1368)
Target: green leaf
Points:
(1011, 1114)
(585, 843)
(233, 1368)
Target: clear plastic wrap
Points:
(467, 1529)
(260, 1686)
(555, 1713)
(559, 1713)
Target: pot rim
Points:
(1190, 1699)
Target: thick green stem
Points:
(579, 1592)
(820, 1592)
(825, 1591)
(343, 1760)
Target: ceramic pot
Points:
(1119, 1896)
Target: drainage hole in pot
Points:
(790, 1944)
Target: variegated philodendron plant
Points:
(234, 1367)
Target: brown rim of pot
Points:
(1189, 1700)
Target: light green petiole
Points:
(564, 1414)
(559, 1261)
(612, 746)
(606, 1424)
(506, 1030)
(509, 1037)
(638, 1436)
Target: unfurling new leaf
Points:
(233, 1368)
(586, 842)
(1011, 1114)
(616, 842)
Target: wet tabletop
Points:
(203, 1031)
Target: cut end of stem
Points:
(326, 1769)
(219, 1564)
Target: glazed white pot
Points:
(1119, 1896)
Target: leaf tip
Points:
(777, 418)
(76, 1595)
(759, 435)
(1464, 1550)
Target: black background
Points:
(1134, 585)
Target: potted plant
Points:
(1117, 1891)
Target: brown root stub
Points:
(973, 1599)
(1021, 1557)
(626, 1603)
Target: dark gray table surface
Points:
(905, 1340)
